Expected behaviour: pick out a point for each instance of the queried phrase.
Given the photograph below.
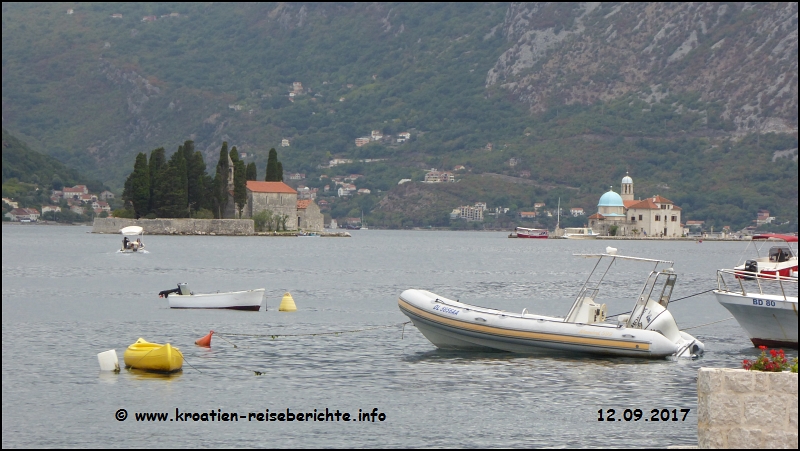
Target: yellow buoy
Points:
(287, 303)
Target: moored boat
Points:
(523, 232)
(649, 331)
(761, 294)
(182, 297)
(144, 355)
(580, 233)
(778, 260)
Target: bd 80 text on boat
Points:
(649, 331)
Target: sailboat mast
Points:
(558, 215)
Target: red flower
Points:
(775, 362)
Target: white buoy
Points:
(611, 250)
(108, 360)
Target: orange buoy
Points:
(205, 341)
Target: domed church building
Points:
(655, 216)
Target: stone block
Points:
(710, 438)
(723, 409)
(762, 381)
(745, 438)
(764, 410)
(779, 440)
(784, 383)
(709, 380)
(738, 381)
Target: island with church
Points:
(271, 208)
(622, 215)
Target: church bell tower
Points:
(626, 190)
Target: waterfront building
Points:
(653, 216)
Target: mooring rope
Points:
(676, 300)
(274, 336)
(187, 362)
(708, 324)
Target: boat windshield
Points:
(780, 254)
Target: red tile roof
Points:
(646, 204)
(303, 204)
(270, 187)
(597, 216)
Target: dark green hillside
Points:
(148, 84)
(25, 165)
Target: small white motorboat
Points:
(182, 297)
(648, 331)
(762, 293)
(580, 233)
(132, 240)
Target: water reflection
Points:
(139, 374)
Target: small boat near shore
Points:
(132, 240)
(761, 294)
(648, 331)
(144, 355)
(524, 232)
(580, 233)
(182, 297)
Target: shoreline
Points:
(346, 233)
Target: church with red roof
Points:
(654, 216)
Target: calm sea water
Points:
(67, 295)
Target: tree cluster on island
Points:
(181, 188)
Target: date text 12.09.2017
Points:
(638, 415)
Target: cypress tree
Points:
(220, 183)
(239, 185)
(158, 162)
(279, 172)
(195, 175)
(137, 186)
(176, 193)
(272, 166)
(250, 171)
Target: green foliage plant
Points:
(263, 221)
(203, 213)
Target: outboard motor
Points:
(750, 266)
(184, 288)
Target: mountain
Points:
(25, 165)
(697, 101)
(739, 57)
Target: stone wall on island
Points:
(746, 409)
(178, 226)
